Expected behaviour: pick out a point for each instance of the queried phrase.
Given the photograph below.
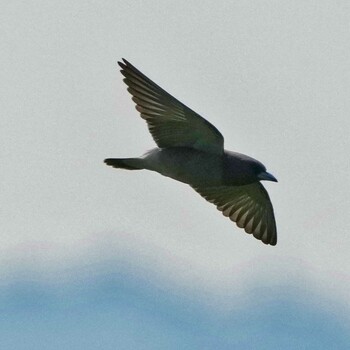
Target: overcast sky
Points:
(272, 76)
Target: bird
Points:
(191, 150)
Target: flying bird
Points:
(191, 150)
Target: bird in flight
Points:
(191, 150)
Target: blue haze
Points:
(115, 312)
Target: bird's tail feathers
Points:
(125, 163)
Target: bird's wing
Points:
(170, 122)
(249, 206)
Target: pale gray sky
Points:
(272, 76)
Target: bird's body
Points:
(190, 150)
(182, 164)
(195, 168)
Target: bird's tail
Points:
(125, 163)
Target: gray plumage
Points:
(191, 150)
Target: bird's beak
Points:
(267, 176)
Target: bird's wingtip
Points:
(121, 64)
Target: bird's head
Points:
(261, 173)
(241, 169)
